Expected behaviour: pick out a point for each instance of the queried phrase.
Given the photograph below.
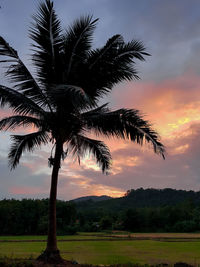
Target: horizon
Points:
(85, 196)
(168, 95)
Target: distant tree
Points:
(106, 223)
(132, 220)
(184, 226)
(61, 101)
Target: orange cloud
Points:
(26, 190)
(170, 105)
(180, 149)
(85, 187)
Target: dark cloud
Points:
(168, 28)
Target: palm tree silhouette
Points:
(61, 101)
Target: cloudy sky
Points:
(168, 94)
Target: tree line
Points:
(30, 217)
(182, 214)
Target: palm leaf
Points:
(46, 34)
(125, 124)
(23, 143)
(96, 112)
(12, 122)
(70, 97)
(108, 50)
(20, 75)
(129, 51)
(109, 65)
(7, 50)
(77, 41)
(80, 145)
(18, 102)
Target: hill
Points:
(142, 198)
(93, 198)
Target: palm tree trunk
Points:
(51, 254)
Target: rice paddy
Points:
(110, 248)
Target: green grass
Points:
(116, 252)
(43, 237)
(23, 237)
(106, 252)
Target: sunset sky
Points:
(168, 95)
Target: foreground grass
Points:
(117, 252)
(107, 252)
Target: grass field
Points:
(111, 252)
(43, 238)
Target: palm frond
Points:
(96, 112)
(7, 50)
(18, 102)
(12, 122)
(131, 50)
(19, 74)
(80, 145)
(77, 41)
(70, 96)
(46, 34)
(106, 52)
(125, 124)
(111, 64)
(22, 143)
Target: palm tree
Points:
(61, 101)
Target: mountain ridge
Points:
(142, 198)
(92, 197)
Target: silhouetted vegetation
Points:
(30, 217)
(140, 210)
